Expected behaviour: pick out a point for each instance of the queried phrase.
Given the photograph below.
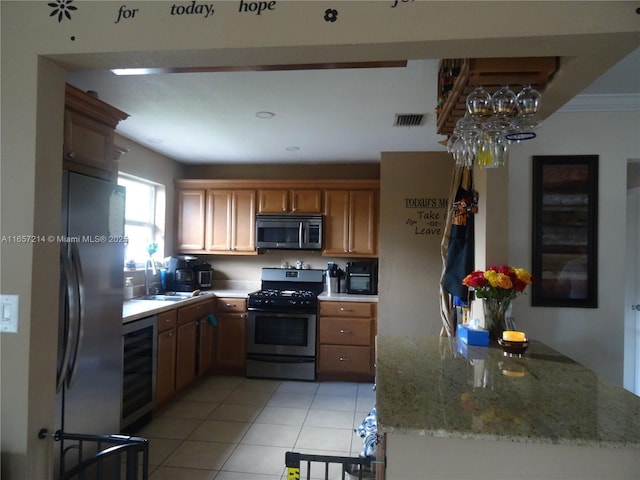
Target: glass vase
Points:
(496, 318)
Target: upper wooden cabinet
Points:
(89, 126)
(191, 220)
(218, 216)
(216, 221)
(351, 223)
(230, 221)
(289, 201)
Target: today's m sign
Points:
(426, 216)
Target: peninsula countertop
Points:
(435, 387)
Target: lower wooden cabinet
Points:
(185, 354)
(345, 359)
(346, 335)
(230, 345)
(206, 339)
(166, 357)
(193, 342)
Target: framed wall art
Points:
(565, 231)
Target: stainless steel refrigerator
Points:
(89, 361)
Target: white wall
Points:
(593, 337)
(410, 237)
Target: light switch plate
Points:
(9, 313)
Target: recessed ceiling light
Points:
(292, 149)
(265, 114)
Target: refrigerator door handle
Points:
(69, 303)
(80, 290)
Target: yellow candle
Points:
(512, 336)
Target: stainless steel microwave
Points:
(289, 232)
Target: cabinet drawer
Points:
(191, 313)
(346, 309)
(337, 358)
(345, 331)
(231, 305)
(167, 320)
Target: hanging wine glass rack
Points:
(458, 77)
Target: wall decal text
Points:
(126, 13)
(256, 7)
(195, 8)
(398, 2)
(428, 215)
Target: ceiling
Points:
(320, 116)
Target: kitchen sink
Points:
(166, 298)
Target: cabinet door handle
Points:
(343, 309)
(342, 330)
(229, 305)
(344, 359)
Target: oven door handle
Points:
(279, 358)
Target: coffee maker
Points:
(180, 276)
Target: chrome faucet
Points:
(147, 285)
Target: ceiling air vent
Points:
(409, 119)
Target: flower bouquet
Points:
(497, 286)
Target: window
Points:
(144, 218)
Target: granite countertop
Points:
(435, 387)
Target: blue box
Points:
(472, 336)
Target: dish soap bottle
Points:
(128, 288)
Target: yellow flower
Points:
(523, 275)
(503, 281)
(491, 275)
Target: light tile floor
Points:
(234, 428)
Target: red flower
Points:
(475, 279)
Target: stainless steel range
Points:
(281, 330)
